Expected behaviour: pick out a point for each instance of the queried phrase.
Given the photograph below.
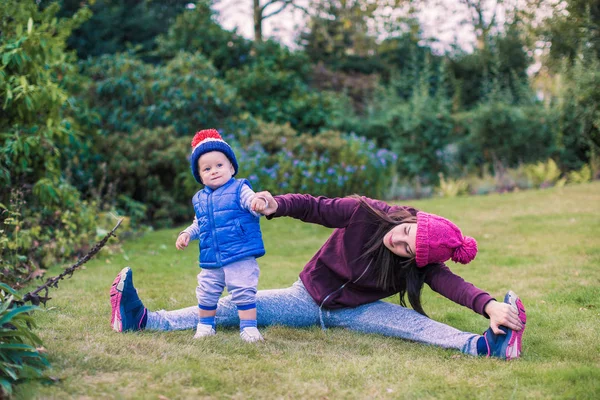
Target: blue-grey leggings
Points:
(294, 307)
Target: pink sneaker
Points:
(514, 300)
(509, 345)
(128, 312)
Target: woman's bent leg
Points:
(292, 306)
(394, 320)
(184, 318)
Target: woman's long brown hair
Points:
(394, 272)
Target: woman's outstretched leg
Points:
(393, 320)
(292, 306)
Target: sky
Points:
(442, 24)
(436, 22)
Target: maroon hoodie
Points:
(337, 277)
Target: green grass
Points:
(545, 245)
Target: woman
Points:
(375, 251)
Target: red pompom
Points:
(205, 134)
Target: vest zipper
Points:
(213, 229)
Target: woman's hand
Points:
(502, 314)
(182, 240)
(264, 203)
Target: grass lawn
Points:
(544, 245)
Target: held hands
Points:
(264, 203)
(182, 241)
(502, 314)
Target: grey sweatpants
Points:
(294, 307)
(240, 278)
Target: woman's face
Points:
(401, 240)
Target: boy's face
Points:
(215, 169)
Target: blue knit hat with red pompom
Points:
(208, 140)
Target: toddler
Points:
(228, 230)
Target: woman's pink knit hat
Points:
(439, 240)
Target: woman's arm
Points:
(455, 288)
(329, 212)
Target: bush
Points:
(358, 87)
(185, 94)
(42, 216)
(418, 130)
(584, 175)
(503, 135)
(37, 236)
(274, 88)
(19, 357)
(578, 112)
(277, 159)
(545, 174)
(150, 171)
(452, 187)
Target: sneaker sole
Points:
(514, 347)
(204, 335)
(116, 292)
(251, 338)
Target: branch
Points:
(36, 299)
(270, 3)
(283, 7)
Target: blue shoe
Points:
(128, 312)
(507, 346)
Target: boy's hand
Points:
(264, 203)
(182, 241)
(259, 204)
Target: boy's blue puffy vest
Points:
(228, 232)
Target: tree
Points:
(196, 30)
(118, 24)
(344, 33)
(504, 60)
(573, 25)
(269, 9)
(482, 25)
(261, 10)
